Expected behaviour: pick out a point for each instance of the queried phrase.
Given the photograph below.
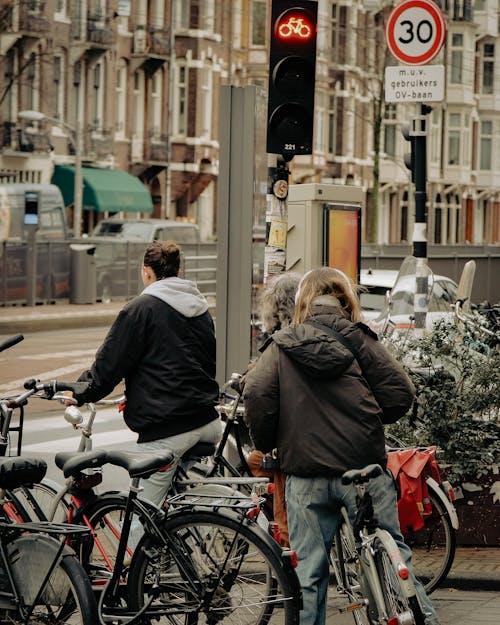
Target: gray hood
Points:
(182, 295)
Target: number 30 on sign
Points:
(415, 31)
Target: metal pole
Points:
(78, 183)
(276, 217)
(170, 117)
(421, 301)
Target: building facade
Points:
(141, 79)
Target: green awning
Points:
(111, 190)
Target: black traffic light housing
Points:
(292, 76)
(409, 157)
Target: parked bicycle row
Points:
(315, 403)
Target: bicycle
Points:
(434, 544)
(199, 561)
(41, 580)
(368, 566)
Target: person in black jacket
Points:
(163, 345)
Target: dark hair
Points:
(164, 258)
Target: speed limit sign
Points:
(415, 31)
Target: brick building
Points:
(141, 79)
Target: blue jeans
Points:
(313, 507)
(156, 487)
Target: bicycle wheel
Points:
(433, 546)
(67, 599)
(37, 501)
(345, 565)
(212, 569)
(397, 603)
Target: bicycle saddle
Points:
(361, 476)
(15, 472)
(140, 463)
(72, 462)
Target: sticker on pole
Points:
(415, 31)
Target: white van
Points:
(23, 206)
(32, 204)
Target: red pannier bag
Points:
(410, 467)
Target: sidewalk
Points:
(473, 568)
(26, 319)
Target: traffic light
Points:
(292, 74)
(409, 157)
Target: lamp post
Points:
(37, 116)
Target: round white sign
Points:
(415, 31)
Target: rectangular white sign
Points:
(414, 83)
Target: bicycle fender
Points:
(450, 508)
(31, 557)
(90, 502)
(395, 554)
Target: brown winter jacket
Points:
(320, 406)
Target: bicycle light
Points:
(73, 415)
(403, 572)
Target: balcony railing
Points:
(18, 139)
(158, 148)
(101, 142)
(32, 18)
(99, 30)
(158, 41)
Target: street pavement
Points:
(475, 568)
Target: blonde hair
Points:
(327, 281)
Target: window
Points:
(180, 120)
(258, 23)
(61, 9)
(98, 96)
(156, 105)
(207, 16)
(390, 130)
(438, 216)
(332, 139)
(456, 58)
(334, 25)
(138, 100)
(181, 14)
(454, 131)
(488, 67)
(206, 102)
(121, 98)
(33, 82)
(158, 20)
(485, 145)
(59, 90)
(237, 23)
(319, 122)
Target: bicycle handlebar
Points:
(52, 387)
(14, 340)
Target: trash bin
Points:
(83, 282)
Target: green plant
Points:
(457, 378)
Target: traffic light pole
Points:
(276, 218)
(419, 133)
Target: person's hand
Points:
(71, 401)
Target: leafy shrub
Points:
(458, 398)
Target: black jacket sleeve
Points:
(118, 355)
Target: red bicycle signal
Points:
(294, 25)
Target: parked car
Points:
(376, 282)
(119, 247)
(147, 230)
(398, 299)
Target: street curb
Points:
(471, 581)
